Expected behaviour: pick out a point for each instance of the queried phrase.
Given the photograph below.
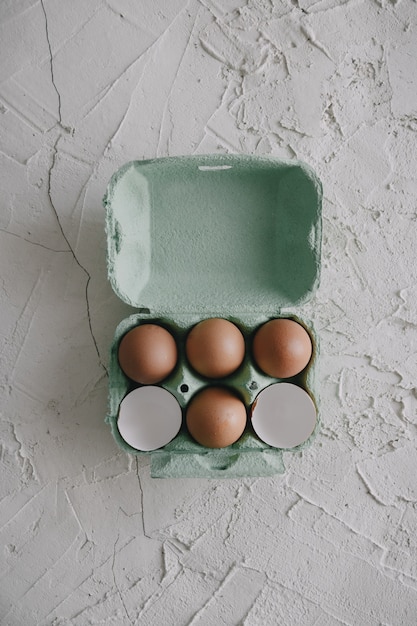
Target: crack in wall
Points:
(119, 593)
(33, 243)
(49, 191)
(51, 63)
(70, 249)
(141, 498)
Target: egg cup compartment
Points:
(183, 456)
(191, 238)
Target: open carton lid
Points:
(218, 234)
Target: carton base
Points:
(217, 464)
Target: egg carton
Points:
(190, 238)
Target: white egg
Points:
(149, 418)
(283, 415)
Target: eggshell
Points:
(283, 415)
(215, 347)
(282, 348)
(216, 417)
(149, 418)
(148, 354)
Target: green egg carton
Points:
(194, 237)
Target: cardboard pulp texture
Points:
(195, 237)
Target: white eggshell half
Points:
(149, 418)
(283, 415)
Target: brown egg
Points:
(148, 354)
(216, 417)
(282, 348)
(215, 347)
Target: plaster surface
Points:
(87, 537)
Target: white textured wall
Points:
(86, 536)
